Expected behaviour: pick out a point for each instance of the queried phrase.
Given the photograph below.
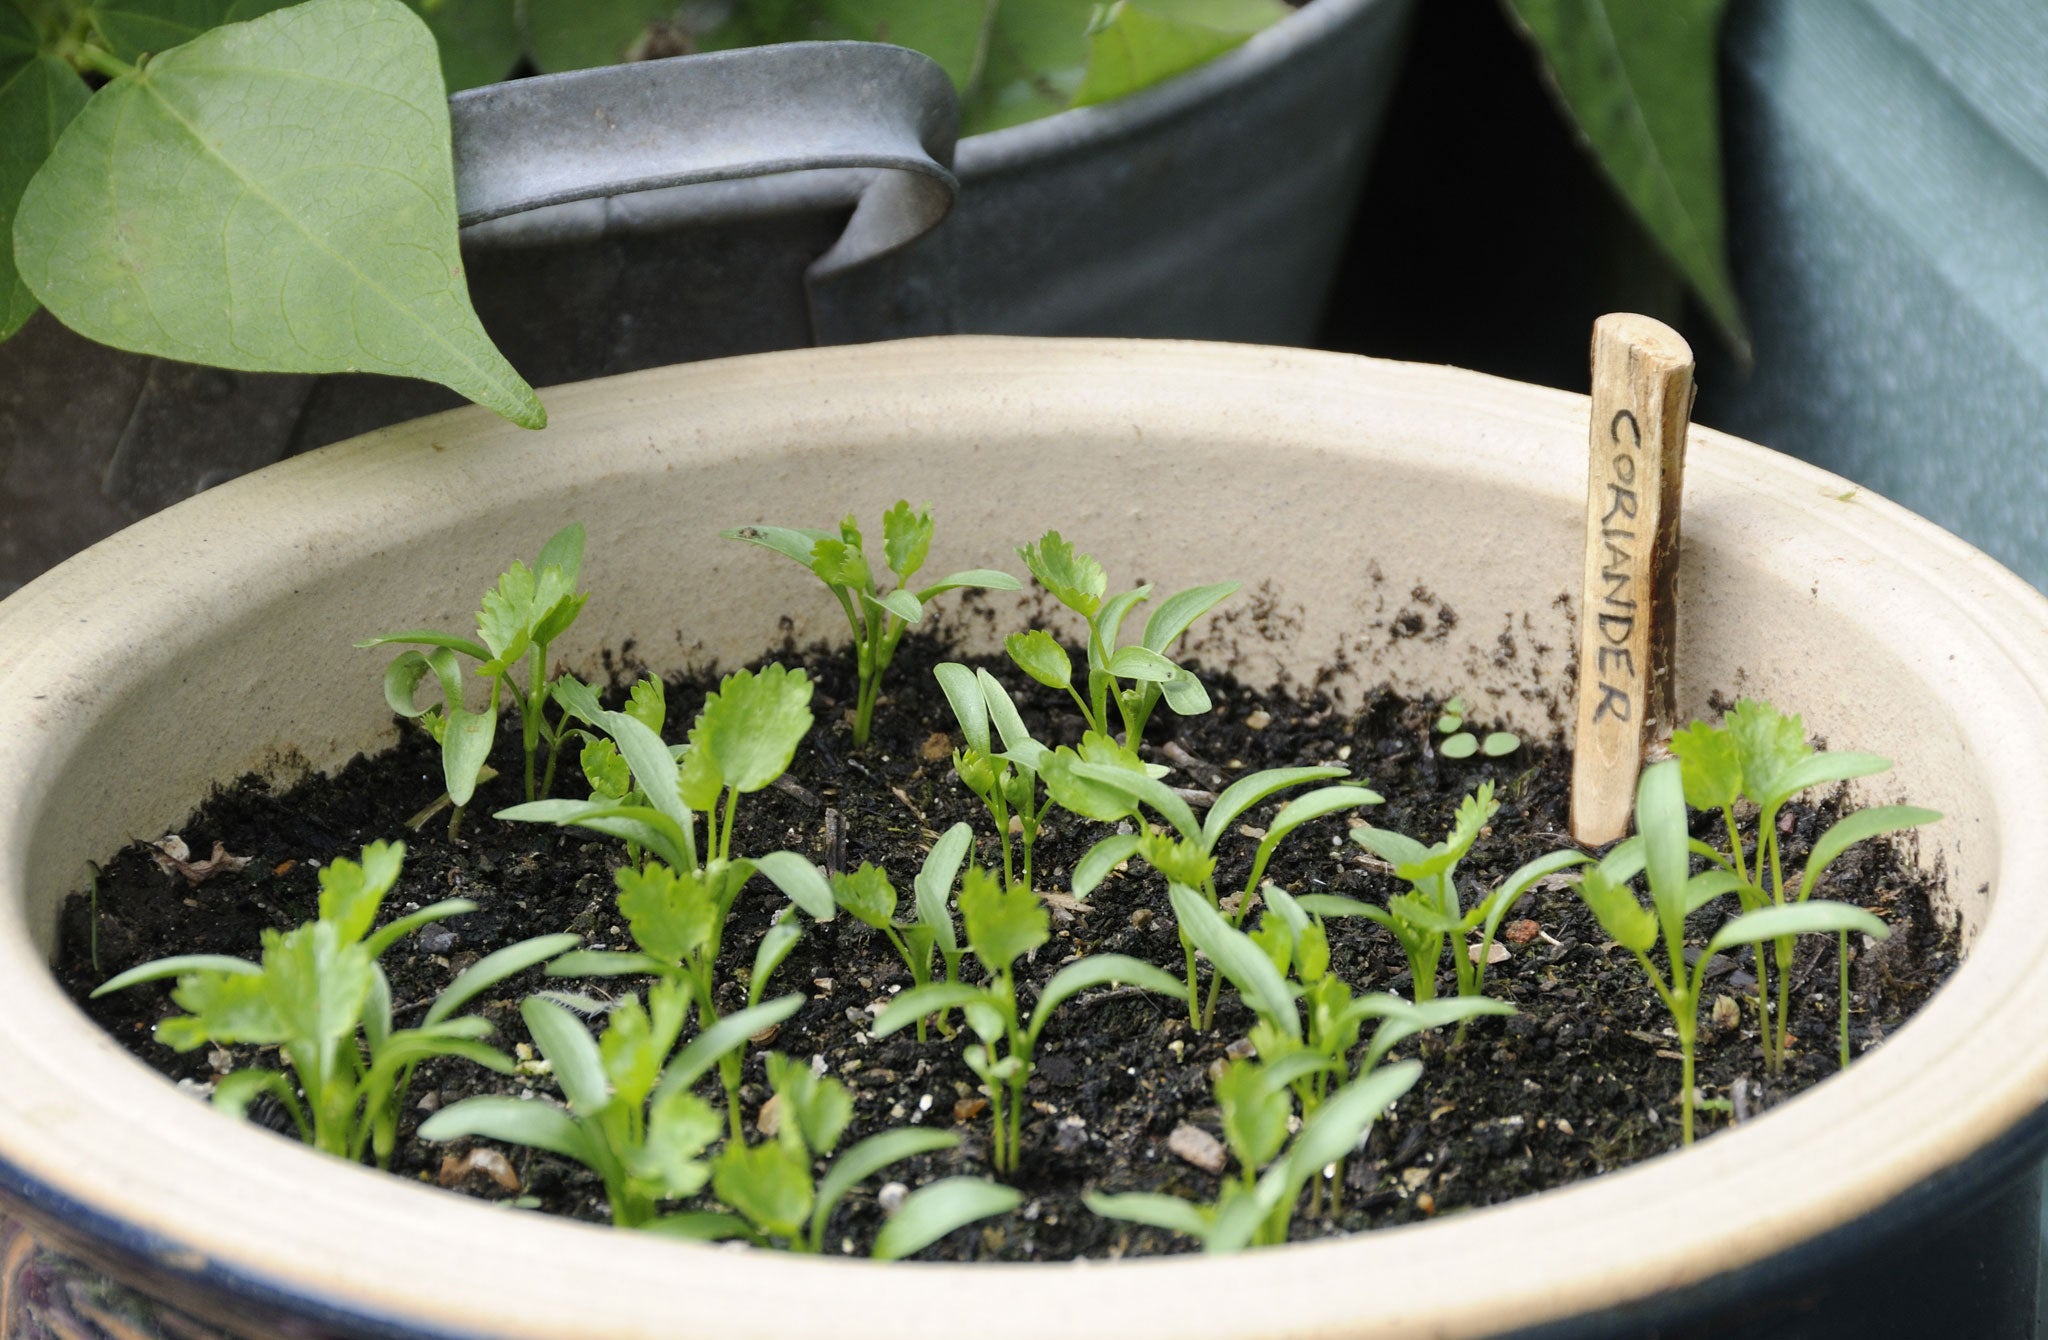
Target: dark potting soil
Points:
(1582, 1080)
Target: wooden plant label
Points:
(1642, 398)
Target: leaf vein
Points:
(314, 239)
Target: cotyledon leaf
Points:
(276, 195)
(39, 95)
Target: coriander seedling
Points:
(742, 740)
(1662, 851)
(878, 618)
(868, 895)
(1185, 851)
(1296, 943)
(1431, 913)
(1003, 924)
(1461, 743)
(1132, 679)
(1255, 1208)
(520, 617)
(770, 1185)
(1760, 754)
(677, 903)
(1283, 966)
(320, 997)
(632, 1118)
(1005, 780)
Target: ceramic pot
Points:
(1349, 495)
(1212, 206)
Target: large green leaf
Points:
(1640, 81)
(277, 195)
(39, 95)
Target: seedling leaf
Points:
(800, 881)
(1237, 958)
(988, 579)
(1772, 923)
(1710, 764)
(902, 604)
(920, 1001)
(1855, 828)
(1151, 1208)
(1002, 924)
(775, 946)
(1143, 665)
(703, 1051)
(514, 1121)
(768, 1184)
(789, 541)
(931, 1212)
(749, 729)
(180, 965)
(906, 539)
(1138, 787)
(1179, 611)
(1042, 658)
(867, 894)
(970, 708)
(1073, 578)
(866, 1158)
(1095, 865)
(1246, 792)
(569, 1048)
(1100, 970)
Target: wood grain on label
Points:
(1642, 399)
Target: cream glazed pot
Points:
(1897, 1199)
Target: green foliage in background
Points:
(1639, 82)
(270, 188)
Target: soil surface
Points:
(1582, 1080)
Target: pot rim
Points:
(1968, 1070)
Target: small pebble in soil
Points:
(1194, 1145)
(485, 1164)
(1727, 1015)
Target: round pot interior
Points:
(1405, 524)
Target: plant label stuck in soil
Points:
(1642, 398)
